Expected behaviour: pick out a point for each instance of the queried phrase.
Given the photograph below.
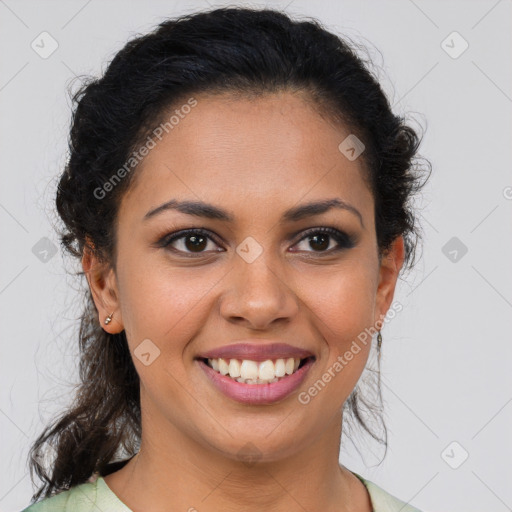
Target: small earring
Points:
(109, 319)
(379, 340)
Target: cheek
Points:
(161, 304)
(342, 307)
(342, 301)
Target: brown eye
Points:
(190, 241)
(319, 240)
(195, 243)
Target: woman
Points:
(238, 194)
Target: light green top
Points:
(98, 497)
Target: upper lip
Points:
(256, 350)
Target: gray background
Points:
(446, 362)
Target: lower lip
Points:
(257, 393)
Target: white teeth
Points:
(249, 369)
(223, 366)
(253, 372)
(290, 363)
(280, 368)
(234, 368)
(267, 370)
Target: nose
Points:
(258, 295)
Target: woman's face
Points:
(259, 276)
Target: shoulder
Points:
(77, 499)
(382, 501)
(91, 495)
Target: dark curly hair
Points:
(240, 51)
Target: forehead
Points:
(252, 153)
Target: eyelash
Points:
(344, 240)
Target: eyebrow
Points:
(201, 209)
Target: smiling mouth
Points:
(247, 371)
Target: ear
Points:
(390, 266)
(103, 285)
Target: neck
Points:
(181, 474)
